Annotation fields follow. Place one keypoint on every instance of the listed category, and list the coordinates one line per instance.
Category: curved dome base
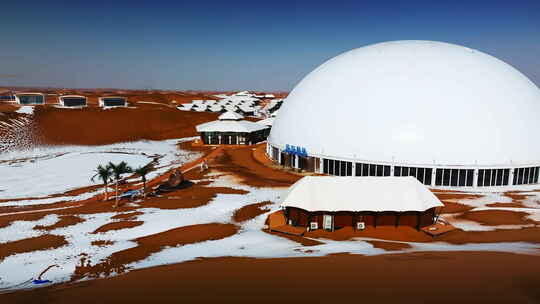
(449, 177)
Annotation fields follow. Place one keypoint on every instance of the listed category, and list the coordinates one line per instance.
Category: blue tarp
(130, 193)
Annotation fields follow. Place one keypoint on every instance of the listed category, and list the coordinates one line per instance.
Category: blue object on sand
(41, 281)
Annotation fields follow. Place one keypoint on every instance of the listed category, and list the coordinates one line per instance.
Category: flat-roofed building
(30, 98)
(112, 101)
(331, 202)
(72, 101)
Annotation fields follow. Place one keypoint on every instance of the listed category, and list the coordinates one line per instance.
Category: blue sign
(295, 150)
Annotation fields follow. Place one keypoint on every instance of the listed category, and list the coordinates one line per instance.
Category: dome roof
(414, 102)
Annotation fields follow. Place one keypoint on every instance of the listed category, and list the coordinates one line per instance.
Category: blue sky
(228, 45)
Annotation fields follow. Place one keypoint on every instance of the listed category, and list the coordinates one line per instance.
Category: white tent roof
(216, 108)
(200, 108)
(241, 126)
(229, 115)
(334, 193)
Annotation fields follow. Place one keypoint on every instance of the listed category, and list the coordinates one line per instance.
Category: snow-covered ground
(41, 172)
(250, 241)
(26, 110)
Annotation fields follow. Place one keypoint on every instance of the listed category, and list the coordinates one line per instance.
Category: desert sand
(399, 271)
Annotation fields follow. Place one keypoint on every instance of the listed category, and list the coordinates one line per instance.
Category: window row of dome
(431, 176)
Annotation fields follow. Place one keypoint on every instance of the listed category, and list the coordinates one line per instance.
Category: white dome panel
(414, 102)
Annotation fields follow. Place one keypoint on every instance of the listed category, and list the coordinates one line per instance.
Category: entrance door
(327, 222)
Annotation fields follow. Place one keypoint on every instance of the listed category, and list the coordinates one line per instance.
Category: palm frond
(103, 173)
(119, 169)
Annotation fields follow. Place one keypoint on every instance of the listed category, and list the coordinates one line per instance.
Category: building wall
(233, 138)
(300, 217)
(434, 176)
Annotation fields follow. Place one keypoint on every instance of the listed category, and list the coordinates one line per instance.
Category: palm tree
(118, 170)
(104, 174)
(142, 172)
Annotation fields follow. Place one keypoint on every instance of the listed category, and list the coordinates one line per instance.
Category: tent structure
(112, 101)
(230, 129)
(333, 202)
(30, 98)
(72, 101)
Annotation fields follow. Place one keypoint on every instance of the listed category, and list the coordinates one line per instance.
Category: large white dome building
(449, 115)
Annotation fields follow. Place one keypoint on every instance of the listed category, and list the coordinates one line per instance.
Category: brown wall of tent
(417, 220)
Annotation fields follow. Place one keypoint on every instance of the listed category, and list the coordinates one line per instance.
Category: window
(386, 170)
(493, 177)
(325, 165)
(275, 153)
(397, 171)
(462, 178)
(337, 167)
(379, 170)
(358, 170)
(31, 99)
(74, 101)
(454, 174)
(438, 177)
(527, 175)
(422, 174)
(111, 102)
(372, 170)
(446, 177)
(454, 177)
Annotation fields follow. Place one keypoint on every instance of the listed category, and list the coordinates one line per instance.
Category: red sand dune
(118, 226)
(65, 221)
(438, 277)
(410, 276)
(452, 207)
(43, 242)
(506, 205)
(498, 217)
(127, 216)
(152, 244)
(94, 126)
(391, 246)
(250, 211)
